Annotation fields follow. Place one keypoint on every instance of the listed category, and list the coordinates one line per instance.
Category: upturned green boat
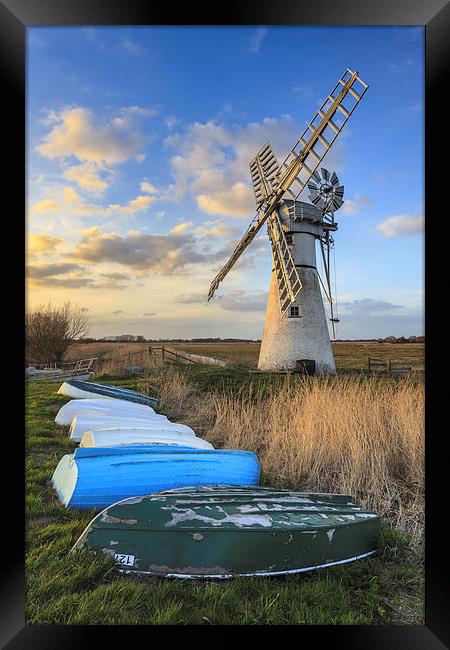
(223, 532)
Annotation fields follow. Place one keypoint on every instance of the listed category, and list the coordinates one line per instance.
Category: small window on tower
(289, 240)
(294, 311)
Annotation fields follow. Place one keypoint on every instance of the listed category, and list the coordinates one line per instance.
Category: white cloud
(87, 177)
(367, 306)
(148, 188)
(70, 203)
(236, 202)
(233, 300)
(372, 318)
(45, 206)
(211, 230)
(171, 121)
(401, 224)
(164, 254)
(355, 205)
(400, 67)
(61, 274)
(139, 204)
(42, 244)
(257, 39)
(304, 90)
(180, 228)
(91, 35)
(211, 162)
(70, 196)
(78, 133)
(132, 48)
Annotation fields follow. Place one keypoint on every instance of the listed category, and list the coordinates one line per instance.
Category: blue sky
(139, 140)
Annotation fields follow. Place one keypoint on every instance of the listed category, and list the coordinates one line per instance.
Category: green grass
(87, 590)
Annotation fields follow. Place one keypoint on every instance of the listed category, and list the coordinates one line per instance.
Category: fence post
(389, 366)
(149, 351)
(369, 363)
(163, 354)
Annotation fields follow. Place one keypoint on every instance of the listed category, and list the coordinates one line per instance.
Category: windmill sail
(288, 280)
(315, 141)
(299, 165)
(264, 171)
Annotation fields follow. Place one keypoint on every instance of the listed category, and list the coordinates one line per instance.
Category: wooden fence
(168, 355)
(395, 367)
(162, 353)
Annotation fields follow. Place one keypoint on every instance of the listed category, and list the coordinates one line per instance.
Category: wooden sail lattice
(288, 279)
(319, 135)
(264, 170)
(298, 167)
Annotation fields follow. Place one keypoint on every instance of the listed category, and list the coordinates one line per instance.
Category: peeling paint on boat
(134, 499)
(221, 532)
(115, 520)
(238, 520)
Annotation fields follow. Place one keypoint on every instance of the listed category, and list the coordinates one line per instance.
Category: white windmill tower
(295, 328)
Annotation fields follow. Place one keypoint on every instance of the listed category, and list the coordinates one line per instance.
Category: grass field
(349, 355)
(387, 588)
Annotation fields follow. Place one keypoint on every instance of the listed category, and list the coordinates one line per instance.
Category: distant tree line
(141, 339)
(402, 339)
(386, 339)
(131, 338)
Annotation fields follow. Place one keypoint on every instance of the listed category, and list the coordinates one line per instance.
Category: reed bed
(116, 364)
(356, 435)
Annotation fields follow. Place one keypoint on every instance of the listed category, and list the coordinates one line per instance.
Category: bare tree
(50, 330)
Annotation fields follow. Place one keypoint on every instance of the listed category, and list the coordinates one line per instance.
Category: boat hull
(228, 532)
(99, 477)
(100, 406)
(79, 389)
(131, 436)
(82, 423)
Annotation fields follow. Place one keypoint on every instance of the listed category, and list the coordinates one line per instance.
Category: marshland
(353, 433)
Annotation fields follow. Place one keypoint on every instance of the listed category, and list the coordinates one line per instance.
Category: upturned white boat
(92, 390)
(100, 406)
(132, 436)
(82, 423)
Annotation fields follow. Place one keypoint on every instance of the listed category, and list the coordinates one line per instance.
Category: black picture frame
(15, 17)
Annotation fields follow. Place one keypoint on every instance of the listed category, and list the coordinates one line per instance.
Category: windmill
(295, 328)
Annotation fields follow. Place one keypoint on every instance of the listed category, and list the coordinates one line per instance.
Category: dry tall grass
(116, 364)
(357, 435)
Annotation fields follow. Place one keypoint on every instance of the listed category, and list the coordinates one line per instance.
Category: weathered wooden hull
(119, 407)
(223, 532)
(141, 436)
(82, 423)
(96, 478)
(79, 389)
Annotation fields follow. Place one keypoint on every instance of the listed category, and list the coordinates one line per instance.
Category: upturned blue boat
(99, 477)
